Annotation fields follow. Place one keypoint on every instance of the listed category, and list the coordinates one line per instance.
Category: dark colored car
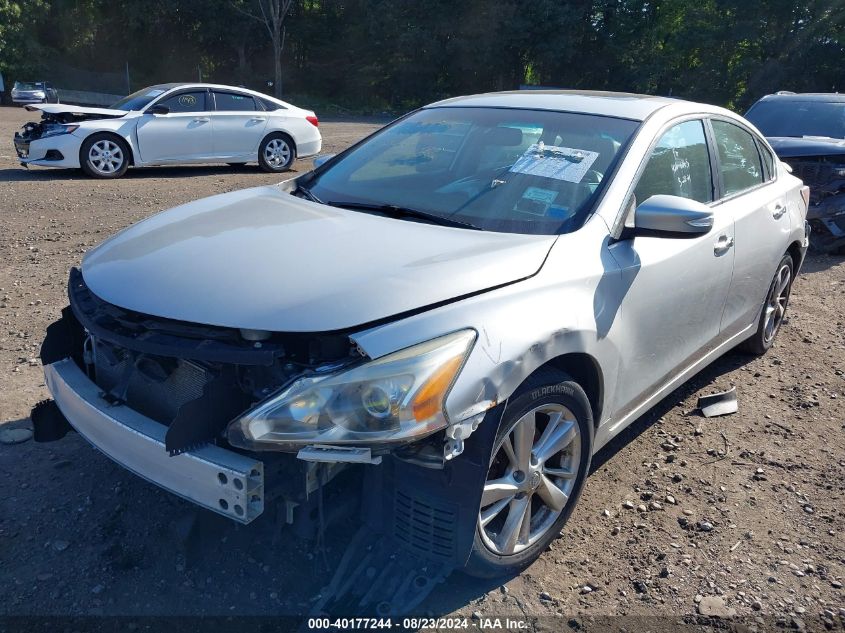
(808, 133)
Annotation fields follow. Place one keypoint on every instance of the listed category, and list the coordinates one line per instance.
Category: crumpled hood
(262, 259)
(793, 147)
(75, 111)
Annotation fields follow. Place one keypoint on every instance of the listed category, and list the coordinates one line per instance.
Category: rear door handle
(202, 119)
(258, 119)
(723, 244)
(780, 209)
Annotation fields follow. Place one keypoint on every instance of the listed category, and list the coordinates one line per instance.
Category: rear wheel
(276, 153)
(774, 309)
(537, 469)
(104, 156)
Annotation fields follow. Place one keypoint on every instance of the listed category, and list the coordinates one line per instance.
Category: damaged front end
(192, 378)
(825, 175)
(36, 131)
(156, 395)
(219, 416)
(55, 121)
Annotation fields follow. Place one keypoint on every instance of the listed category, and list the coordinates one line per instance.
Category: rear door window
(232, 102)
(739, 159)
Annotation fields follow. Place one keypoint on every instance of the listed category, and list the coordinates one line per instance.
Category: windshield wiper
(395, 211)
(309, 195)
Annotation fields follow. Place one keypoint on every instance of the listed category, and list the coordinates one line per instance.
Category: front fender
(124, 128)
(567, 307)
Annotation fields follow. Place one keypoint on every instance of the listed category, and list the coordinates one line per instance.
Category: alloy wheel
(776, 303)
(105, 156)
(531, 477)
(277, 153)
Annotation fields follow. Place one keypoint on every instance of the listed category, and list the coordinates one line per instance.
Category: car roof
(193, 84)
(189, 84)
(828, 97)
(616, 104)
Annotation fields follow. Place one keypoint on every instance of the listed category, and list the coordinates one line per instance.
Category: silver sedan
(471, 303)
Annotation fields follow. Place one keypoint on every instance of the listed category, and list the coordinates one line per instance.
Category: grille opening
(156, 387)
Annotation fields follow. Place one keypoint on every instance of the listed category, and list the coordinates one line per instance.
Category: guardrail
(82, 97)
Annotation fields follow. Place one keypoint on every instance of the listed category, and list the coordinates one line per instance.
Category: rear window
(788, 117)
(270, 106)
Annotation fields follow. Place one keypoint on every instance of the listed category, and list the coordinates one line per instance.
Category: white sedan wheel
(106, 157)
(277, 153)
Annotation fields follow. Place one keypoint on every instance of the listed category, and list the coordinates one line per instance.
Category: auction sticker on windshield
(553, 161)
(535, 201)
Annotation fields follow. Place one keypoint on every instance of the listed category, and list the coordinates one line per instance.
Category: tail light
(312, 119)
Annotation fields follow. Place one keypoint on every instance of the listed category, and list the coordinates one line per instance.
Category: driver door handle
(780, 209)
(723, 244)
(201, 119)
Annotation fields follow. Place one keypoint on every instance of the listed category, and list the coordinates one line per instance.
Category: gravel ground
(683, 516)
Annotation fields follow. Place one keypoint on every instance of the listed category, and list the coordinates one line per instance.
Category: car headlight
(393, 399)
(55, 129)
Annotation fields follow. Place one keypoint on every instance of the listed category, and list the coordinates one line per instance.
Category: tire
(276, 152)
(551, 393)
(774, 309)
(114, 152)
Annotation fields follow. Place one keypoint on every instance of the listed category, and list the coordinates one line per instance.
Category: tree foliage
(395, 54)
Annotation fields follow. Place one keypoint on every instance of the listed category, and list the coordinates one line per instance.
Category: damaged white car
(439, 326)
(171, 124)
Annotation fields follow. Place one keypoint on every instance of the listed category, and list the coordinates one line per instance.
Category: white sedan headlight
(56, 129)
(393, 399)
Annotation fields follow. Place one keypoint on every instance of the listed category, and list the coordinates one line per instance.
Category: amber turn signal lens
(429, 400)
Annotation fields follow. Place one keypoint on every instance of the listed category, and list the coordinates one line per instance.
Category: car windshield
(29, 85)
(799, 118)
(497, 169)
(138, 100)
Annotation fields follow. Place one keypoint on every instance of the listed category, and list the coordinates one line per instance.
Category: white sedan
(171, 124)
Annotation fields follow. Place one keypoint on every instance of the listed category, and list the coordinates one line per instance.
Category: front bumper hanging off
(221, 480)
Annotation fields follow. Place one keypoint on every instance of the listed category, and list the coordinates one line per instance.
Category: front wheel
(774, 309)
(276, 153)
(538, 467)
(104, 156)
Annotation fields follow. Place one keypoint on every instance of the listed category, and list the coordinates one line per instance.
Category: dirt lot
(743, 513)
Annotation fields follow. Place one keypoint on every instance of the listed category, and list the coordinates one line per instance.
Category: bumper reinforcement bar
(218, 479)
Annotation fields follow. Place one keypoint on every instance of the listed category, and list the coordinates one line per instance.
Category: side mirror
(672, 216)
(320, 160)
(159, 109)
